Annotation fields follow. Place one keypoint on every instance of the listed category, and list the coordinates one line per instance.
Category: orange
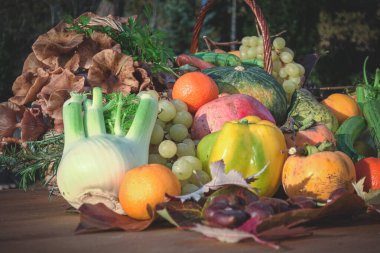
(195, 89)
(342, 106)
(369, 168)
(146, 185)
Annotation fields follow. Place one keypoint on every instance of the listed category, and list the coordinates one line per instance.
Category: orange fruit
(369, 168)
(236, 52)
(342, 106)
(146, 185)
(195, 89)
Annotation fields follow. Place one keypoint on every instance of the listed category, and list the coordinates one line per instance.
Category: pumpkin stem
(321, 147)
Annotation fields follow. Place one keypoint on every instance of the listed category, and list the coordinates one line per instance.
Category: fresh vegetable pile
(209, 142)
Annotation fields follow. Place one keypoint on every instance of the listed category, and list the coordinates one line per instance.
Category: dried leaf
(371, 198)
(98, 217)
(31, 64)
(180, 214)
(230, 235)
(286, 231)
(49, 48)
(219, 180)
(347, 205)
(113, 71)
(32, 125)
(10, 116)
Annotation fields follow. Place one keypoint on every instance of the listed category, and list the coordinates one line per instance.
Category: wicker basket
(262, 25)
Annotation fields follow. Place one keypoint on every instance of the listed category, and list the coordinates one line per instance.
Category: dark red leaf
(180, 214)
(98, 217)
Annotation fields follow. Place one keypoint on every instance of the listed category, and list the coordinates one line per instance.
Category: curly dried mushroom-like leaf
(32, 125)
(115, 72)
(57, 42)
(10, 117)
(31, 64)
(26, 87)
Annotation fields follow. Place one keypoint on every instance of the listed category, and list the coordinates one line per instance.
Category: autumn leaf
(98, 217)
(220, 179)
(371, 198)
(230, 235)
(180, 214)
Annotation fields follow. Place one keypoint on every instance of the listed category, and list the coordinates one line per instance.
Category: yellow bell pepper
(247, 146)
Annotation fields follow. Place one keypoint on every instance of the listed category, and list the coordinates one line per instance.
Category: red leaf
(98, 217)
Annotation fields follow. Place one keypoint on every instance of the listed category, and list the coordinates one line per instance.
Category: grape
(245, 40)
(260, 56)
(153, 149)
(178, 132)
(286, 49)
(296, 80)
(274, 56)
(283, 73)
(184, 149)
(157, 134)
(260, 49)
(301, 69)
(161, 123)
(289, 86)
(286, 57)
(166, 110)
(184, 118)
(243, 48)
(253, 40)
(243, 55)
(189, 142)
(292, 70)
(182, 169)
(200, 177)
(179, 105)
(251, 53)
(274, 74)
(156, 158)
(279, 43)
(258, 209)
(302, 202)
(188, 188)
(195, 162)
(277, 65)
(260, 40)
(153, 93)
(167, 149)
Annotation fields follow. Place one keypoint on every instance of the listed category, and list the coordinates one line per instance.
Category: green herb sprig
(136, 38)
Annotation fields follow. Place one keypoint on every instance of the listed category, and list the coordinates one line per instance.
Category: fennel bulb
(94, 162)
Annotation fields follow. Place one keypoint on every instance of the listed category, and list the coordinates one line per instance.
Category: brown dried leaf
(49, 47)
(31, 64)
(113, 71)
(180, 214)
(10, 116)
(98, 217)
(26, 86)
(347, 205)
(230, 235)
(32, 125)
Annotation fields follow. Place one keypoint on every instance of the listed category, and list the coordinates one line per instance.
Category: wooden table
(31, 222)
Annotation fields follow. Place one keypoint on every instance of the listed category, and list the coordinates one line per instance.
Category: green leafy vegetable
(135, 37)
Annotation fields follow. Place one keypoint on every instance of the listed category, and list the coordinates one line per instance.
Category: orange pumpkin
(312, 136)
(343, 106)
(318, 175)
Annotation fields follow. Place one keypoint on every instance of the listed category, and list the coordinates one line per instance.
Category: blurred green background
(344, 32)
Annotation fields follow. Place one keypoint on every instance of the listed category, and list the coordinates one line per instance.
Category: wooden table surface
(31, 222)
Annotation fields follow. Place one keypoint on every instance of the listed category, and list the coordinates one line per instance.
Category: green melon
(253, 81)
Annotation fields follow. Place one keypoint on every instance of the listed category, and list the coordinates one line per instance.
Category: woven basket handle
(260, 21)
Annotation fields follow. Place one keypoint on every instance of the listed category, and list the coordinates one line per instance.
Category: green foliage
(137, 39)
(129, 104)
